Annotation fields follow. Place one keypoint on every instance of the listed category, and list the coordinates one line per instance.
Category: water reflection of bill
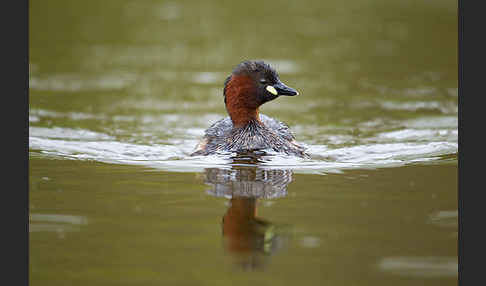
(247, 238)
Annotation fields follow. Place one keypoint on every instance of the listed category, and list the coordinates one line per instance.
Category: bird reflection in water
(247, 238)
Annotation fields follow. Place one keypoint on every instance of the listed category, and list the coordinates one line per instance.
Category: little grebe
(251, 84)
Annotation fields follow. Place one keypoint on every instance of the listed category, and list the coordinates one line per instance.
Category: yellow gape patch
(271, 89)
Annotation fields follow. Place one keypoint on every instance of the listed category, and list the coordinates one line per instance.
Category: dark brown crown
(253, 69)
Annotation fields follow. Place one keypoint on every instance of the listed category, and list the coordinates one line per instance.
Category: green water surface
(138, 75)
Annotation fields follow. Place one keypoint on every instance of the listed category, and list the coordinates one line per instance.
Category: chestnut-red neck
(241, 100)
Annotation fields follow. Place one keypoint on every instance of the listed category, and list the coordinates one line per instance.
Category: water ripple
(165, 141)
(176, 157)
(420, 266)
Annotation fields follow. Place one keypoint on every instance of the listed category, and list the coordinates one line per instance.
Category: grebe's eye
(263, 81)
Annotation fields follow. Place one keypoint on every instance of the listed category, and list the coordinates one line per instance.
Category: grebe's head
(251, 84)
